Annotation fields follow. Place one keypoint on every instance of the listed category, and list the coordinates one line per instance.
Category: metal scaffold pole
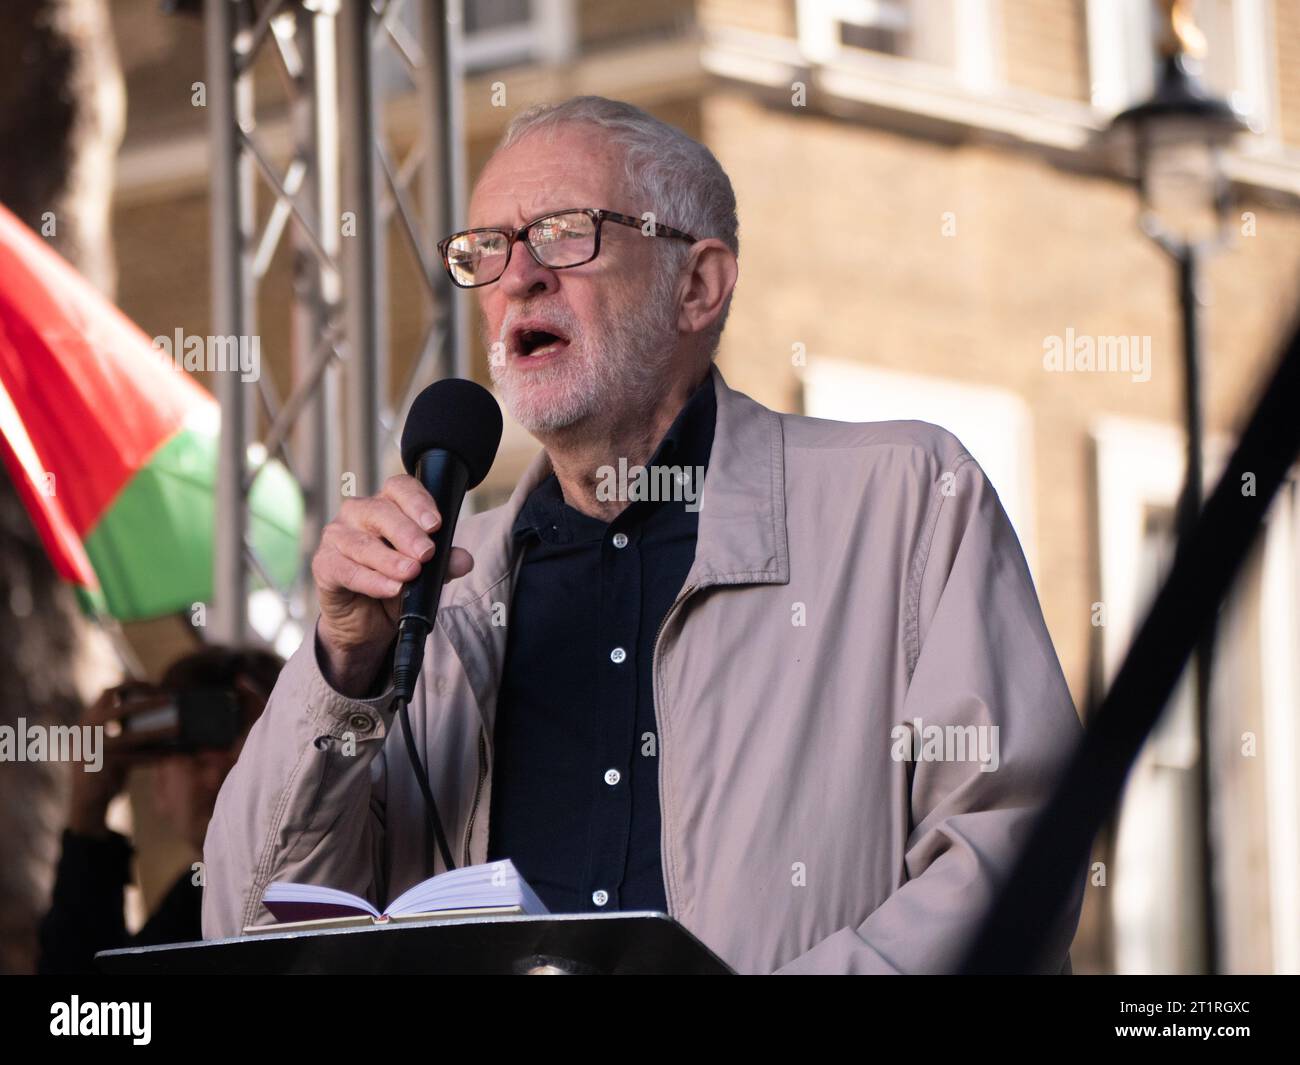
(335, 185)
(317, 295)
(364, 248)
(233, 310)
(443, 173)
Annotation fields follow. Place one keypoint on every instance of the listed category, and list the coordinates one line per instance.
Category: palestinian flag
(113, 449)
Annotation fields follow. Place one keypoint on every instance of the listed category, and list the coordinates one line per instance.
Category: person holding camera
(188, 730)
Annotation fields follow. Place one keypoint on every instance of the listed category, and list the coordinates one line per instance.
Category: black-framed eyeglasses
(557, 240)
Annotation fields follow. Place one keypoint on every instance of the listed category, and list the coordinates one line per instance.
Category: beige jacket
(849, 579)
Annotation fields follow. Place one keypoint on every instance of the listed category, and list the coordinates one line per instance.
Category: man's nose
(525, 277)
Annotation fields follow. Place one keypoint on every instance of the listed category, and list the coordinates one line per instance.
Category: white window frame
(1280, 606)
(1121, 52)
(965, 30)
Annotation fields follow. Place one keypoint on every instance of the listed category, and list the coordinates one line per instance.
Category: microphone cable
(422, 777)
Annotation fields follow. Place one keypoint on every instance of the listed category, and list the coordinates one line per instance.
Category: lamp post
(1177, 138)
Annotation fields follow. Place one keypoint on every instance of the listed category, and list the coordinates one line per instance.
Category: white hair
(669, 173)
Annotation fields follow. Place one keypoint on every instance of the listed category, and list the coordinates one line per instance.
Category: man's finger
(373, 553)
(334, 571)
(383, 517)
(414, 500)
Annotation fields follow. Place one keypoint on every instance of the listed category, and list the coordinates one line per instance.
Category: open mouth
(532, 343)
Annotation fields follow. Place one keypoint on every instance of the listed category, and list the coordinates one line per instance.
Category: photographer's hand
(93, 791)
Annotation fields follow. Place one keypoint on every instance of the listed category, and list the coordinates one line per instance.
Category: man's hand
(374, 546)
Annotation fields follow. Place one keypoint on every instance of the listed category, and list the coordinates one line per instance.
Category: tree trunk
(61, 116)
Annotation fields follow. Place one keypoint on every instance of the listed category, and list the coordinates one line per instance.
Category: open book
(477, 890)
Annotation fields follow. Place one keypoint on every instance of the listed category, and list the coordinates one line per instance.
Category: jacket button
(600, 897)
(361, 722)
(617, 655)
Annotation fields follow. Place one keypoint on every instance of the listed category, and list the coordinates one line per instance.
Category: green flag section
(153, 548)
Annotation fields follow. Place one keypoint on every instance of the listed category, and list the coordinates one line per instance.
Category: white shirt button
(617, 655)
(612, 777)
(620, 540)
(600, 897)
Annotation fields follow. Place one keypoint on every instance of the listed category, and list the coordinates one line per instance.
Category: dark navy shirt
(575, 794)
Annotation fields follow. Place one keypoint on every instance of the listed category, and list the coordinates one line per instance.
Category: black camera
(193, 719)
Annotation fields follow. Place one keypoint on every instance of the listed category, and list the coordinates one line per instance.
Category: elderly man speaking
(806, 704)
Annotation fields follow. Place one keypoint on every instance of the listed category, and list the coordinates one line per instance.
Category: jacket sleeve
(982, 657)
(305, 801)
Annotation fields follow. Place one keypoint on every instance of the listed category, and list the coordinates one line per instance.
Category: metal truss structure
(343, 192)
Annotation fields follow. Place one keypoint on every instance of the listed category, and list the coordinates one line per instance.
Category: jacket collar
(742, 531)
(742, 534)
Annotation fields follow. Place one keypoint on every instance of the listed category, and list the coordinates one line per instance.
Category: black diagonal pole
(1205, 566)
(1187, 258)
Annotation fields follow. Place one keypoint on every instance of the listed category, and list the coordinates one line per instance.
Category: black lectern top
(597, 943)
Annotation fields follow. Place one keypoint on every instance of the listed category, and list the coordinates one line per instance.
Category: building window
(955, 37)
(493, 34)
(496, 14)
(885, 26)
(1255, 738)
(500, 33)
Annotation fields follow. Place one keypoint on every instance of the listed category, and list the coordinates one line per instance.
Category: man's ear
(708, 279)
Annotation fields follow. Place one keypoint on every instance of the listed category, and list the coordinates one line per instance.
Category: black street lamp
(1177, 138)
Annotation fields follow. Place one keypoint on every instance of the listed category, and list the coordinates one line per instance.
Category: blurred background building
(927, 206)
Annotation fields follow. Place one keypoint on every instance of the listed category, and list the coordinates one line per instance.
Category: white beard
(607, 373)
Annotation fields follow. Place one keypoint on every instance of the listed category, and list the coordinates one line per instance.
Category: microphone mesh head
(458, 416)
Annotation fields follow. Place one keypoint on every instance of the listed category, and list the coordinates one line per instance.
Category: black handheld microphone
(448, 444)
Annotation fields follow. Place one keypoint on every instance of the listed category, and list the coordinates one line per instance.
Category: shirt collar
(687, 444)
(689, 439)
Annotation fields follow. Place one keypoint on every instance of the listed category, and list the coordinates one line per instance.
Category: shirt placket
(619, 622)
